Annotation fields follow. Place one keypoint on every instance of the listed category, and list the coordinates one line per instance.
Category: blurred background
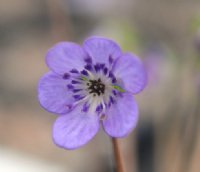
(165, 34)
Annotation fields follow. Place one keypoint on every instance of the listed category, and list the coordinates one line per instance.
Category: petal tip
(72, 131)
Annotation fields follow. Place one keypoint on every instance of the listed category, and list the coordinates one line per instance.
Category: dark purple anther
(111, 100)
(110, 59)
(74, 71)
(76, 90)
(75, 82)
(88, 60)
(114, 92)
(66, 76)
(88, 67)
(99, 108)
(70, 86)
(105, 71)
(85, 107)
(102, 66)
(97, 67)
(111, 75)
(77, 97)
(84, 72)
(114, 80)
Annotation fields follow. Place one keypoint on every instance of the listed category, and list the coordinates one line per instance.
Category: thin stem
(117, 155)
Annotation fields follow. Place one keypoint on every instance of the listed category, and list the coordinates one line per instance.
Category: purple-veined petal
(129, 69)
(75, 129)
(53, 93)
(121, 117)
(65, 56)
(102, 50)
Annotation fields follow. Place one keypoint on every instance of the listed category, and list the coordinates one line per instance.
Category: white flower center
(98, 89)
(94, 89)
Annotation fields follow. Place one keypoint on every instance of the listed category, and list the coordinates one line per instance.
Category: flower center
(96, 87)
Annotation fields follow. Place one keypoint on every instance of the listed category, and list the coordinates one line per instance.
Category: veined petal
(75, 129)
(102, 50)
(65, 56)
(53, 93)
(129, 69)
(121, 117)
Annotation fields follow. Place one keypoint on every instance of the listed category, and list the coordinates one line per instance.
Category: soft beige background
(170, 103)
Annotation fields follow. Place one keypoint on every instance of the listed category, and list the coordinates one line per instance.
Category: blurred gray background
(164, 33)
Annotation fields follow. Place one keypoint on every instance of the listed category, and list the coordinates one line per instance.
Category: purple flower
(88, 85)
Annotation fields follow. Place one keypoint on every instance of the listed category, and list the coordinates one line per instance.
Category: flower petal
(65, 56)
(102, 50)
(121, 117)
(129, 69)
(53, 93)
(75, 129)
